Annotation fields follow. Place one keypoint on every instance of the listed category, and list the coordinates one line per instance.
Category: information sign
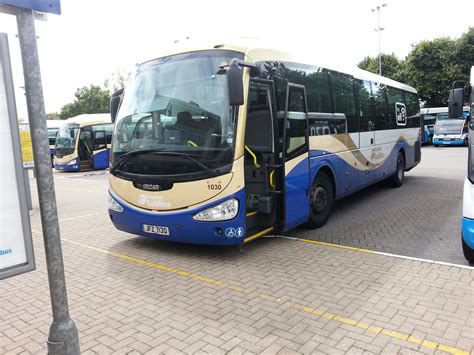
(16, 250)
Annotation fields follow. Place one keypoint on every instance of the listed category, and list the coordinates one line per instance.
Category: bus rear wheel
(468, 252)
(322, 201)
(397, 179)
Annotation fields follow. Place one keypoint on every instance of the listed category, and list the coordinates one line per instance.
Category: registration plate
(148, 228)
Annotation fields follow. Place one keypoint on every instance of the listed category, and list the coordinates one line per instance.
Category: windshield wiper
(187, 156)
(158, 151)
(126, 156)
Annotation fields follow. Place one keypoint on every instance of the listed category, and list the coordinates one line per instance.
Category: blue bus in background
(428, 119)
(451, 131)
(53, 128)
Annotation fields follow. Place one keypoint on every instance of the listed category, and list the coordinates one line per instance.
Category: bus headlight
(114, 205)
(221, 212)
(72, 162)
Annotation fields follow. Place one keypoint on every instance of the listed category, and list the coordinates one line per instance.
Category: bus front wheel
(397, 179)
(468, 252)
(322, 201)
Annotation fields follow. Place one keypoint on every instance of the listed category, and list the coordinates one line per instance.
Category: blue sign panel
(48, 6)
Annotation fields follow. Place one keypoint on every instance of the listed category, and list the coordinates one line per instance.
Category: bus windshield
(66, 138)
(449, 125)
(177, 104)
(52, 133)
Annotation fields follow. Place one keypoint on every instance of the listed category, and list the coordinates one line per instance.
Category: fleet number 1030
(214, 187)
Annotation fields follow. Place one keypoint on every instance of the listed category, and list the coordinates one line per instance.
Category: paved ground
(133, 295)
(420, 219)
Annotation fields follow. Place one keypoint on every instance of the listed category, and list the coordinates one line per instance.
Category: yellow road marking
(307, 309)
(334, 245)
(257, 235)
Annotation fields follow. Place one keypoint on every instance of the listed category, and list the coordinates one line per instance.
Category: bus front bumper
(181, 226)
(72, 165)
(449, 141)
(468, 231)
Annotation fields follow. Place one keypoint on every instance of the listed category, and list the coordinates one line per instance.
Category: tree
(391, 65)
(92, 99)
(433, 66)
(53, 116)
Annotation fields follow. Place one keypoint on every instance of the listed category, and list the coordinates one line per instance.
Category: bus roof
(54, 123)
(256, 51)
(89, 119)
(429, 110)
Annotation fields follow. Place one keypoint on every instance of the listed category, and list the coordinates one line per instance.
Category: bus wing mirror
(455, 104)
(235, 84)
(115, 100)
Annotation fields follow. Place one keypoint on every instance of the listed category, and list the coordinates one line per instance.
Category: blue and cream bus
(225, 143)
(83, 143)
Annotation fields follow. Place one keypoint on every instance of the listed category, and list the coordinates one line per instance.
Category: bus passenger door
(100, 158)
(85, 148)
(295, 157)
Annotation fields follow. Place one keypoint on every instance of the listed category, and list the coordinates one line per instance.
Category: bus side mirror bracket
(234, 80)
(115, 100)
(235, 84)
(455, 103)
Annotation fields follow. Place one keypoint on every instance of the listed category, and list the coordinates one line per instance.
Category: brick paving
(421, 219)
(133, 295)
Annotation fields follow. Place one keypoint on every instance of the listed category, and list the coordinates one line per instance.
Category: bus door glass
(295, 155)
(366, 116)
(99, 147)
(85, 147)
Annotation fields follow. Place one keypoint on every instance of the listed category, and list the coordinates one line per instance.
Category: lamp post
(379, 29)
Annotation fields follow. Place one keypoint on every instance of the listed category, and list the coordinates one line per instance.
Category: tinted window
(379, 93)
(296, 122)
(344, 100)
(364, 92)
(394, 96)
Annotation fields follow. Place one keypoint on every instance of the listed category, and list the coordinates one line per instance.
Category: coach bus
(83, 143)
(223, 144)
(456, 99)
(53, 128)
(451, 131)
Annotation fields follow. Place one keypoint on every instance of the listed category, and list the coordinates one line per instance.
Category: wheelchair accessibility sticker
(234, 232)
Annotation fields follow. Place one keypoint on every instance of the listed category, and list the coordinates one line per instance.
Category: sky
(92, 39)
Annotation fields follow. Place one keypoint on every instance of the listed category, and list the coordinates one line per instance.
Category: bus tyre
(397, 179)
(322, 201)
(436, 145)
(468, 252)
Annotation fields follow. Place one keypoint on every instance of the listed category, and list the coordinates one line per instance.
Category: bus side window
(344, 103)
(296, 122)
(364, 91)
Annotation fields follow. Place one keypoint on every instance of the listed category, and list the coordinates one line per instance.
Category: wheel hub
(319, 200)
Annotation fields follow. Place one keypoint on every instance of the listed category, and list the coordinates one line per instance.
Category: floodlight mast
(379, 29)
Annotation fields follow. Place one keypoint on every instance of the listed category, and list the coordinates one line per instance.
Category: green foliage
(53, 116)
(92, 99)
(431, 67)
(391, 65)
